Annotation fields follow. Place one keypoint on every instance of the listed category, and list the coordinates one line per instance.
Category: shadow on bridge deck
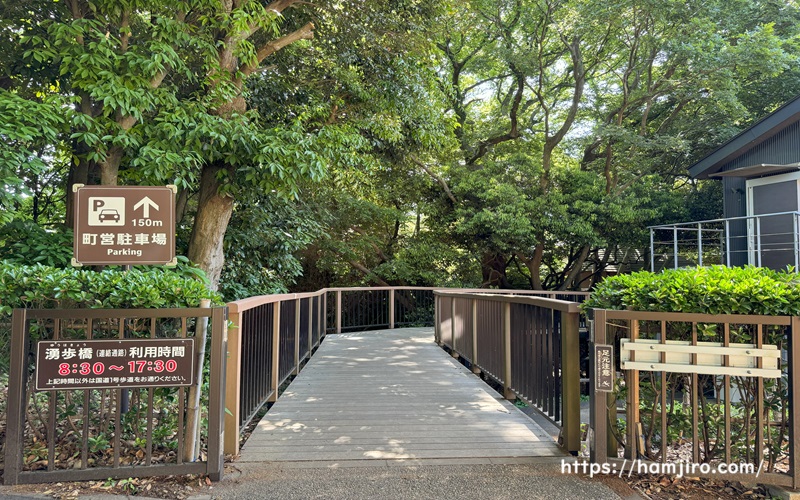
(393, 395)
(390, 415)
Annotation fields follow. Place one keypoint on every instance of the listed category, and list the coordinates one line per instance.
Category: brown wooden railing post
(437, 333)
(603, 409)
(216, 403)
(323, 315)
(338, 311)
(453, 326)
(570, 382)
(276, 350)
(233, 382)
(507, 392)
(391, 308)
(311, 313)
(474, 333)
(297, 336)
(794, 401)
(632, 402)
(16, 397)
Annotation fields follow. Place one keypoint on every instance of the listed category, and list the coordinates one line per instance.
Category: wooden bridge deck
(392, 395)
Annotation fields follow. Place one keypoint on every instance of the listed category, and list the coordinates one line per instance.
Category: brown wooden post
(453, 326)
(216, 399)
(437, 331)
(474, 333)
(297, 336)
(324, 316)
(338, 311)
(391, 309)
(507, 392)
(311, 323)
(794, 401)
(598, 452)
(276, 350)
(16, 397)
(570, 382)
(233, 381)
(632, 402)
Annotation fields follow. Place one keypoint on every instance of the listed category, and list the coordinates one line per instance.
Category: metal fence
(105, 432)
(527, 344)
(707, 389)
(371, 308)
(768, 240)
(269, 338)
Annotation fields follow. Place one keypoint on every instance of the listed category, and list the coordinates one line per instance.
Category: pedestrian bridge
(363, 376)
(393, 395)
(376, 376)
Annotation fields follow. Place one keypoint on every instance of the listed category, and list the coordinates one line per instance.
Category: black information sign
(114, 364)
(603, 368)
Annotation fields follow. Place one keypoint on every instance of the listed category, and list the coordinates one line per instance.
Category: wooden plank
(388, 455)
(392, 395)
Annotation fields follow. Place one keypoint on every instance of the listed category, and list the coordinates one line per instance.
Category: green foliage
(43, 287)
(710, 290)
(26, 243)
(261, 246)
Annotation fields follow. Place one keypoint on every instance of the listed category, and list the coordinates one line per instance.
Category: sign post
(124, 225)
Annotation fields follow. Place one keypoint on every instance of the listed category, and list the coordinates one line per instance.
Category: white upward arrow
(146, 203)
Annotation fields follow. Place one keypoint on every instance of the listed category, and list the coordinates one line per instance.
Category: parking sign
(124, 225)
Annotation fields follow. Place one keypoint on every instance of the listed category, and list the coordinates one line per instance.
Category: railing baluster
(728, 243)
(700, 244)
(338, 311)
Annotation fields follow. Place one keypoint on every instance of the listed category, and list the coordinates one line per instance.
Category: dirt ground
(182, 487)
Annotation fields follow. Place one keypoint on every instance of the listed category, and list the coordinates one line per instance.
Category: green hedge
(710, 290)
(43, 287)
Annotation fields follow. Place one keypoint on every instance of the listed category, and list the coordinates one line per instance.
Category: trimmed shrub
(709, 290)
(43, 287)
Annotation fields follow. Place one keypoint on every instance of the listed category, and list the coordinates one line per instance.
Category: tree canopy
(510, 143)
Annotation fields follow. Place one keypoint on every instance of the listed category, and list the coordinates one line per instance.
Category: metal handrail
(722, 238)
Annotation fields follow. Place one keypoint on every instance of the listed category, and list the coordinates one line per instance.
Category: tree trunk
(181, 203)
(577, 267)
(109, 169)
(493, 269)
(78, 174)
(213, 214)
(534, 266)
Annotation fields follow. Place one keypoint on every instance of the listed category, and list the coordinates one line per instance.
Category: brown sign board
(603, 368)
(114, 364)
(124, 225)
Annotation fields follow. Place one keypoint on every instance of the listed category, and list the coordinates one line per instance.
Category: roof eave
(764, 129)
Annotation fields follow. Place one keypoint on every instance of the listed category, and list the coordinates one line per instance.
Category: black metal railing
(522, 342)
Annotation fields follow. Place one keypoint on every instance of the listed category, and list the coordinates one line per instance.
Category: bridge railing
(268, 339)
(272, 335)
(374, 308)
(528, 344)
